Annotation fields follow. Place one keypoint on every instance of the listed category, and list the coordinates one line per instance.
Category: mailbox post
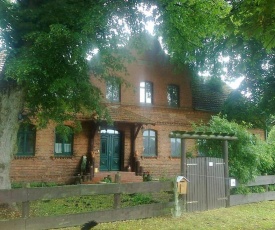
(180, 188)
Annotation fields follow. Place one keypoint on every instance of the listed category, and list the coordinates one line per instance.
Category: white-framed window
(146, 92)
(175, 147)
(149, 143)
(64, 143)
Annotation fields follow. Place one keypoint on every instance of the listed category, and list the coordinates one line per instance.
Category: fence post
(26, 204)
(226, 172)
(266, 186)
(117, 197)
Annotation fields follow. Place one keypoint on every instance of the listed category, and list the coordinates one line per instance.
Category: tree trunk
(11, 101)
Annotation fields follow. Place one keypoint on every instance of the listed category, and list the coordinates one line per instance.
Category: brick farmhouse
(159, 100)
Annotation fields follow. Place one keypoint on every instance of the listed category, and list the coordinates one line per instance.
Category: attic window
(113, 91)
(173, 95)
(146, 92)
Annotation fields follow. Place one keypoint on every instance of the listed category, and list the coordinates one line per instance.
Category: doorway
(110, 150)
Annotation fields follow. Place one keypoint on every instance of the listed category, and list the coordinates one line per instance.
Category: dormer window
(146, 92)
(173, 95)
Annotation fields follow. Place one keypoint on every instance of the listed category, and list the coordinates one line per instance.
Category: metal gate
(206, 189)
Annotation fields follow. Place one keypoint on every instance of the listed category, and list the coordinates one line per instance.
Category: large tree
(47, 44)
(246, 50)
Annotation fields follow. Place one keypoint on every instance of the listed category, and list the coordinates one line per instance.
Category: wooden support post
(183, 168)
(183, 171)
(117, 196)
(138, 168)
(226, 172)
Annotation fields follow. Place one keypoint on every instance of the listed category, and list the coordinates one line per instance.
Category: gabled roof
(119, 114)
(206, 98)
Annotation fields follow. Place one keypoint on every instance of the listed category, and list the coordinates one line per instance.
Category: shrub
(248, 156)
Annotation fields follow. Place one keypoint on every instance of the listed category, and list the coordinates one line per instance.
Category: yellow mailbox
(182, 184)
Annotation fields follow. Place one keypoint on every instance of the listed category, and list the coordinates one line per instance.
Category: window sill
(23, 157)
(61, 157)
(146, 104)
(174, 157)
(149, 157)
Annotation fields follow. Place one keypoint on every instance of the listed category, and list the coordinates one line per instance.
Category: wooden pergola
(224, 137)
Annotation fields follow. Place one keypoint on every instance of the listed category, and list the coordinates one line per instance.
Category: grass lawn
(251, 216)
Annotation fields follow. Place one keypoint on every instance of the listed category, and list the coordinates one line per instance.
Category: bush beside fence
(265, 181)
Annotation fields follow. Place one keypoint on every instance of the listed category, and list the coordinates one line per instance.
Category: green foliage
(33, 184)
(107, 179)
(71, 205)
(181, 20)
(47, 51)
(255, 19)
(271, 149)
(244, 190)
(239, 108)
(138, 199)
(271, 187)
(48, 44)
(147, 176)
(247, 155)
(249, 45)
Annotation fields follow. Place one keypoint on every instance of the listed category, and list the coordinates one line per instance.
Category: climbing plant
(248, 156)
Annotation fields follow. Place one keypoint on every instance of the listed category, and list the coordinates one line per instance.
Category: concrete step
(126, 177)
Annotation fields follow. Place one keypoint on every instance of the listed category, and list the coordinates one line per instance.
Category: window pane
(142, 94)
(146, 146)
(146, 92)
(148, 89)
(20, 143)
(152, 133)
(108, 91)
(67, 148)
(152, 146)
(30, 143)
(146, 133)
(58, 147)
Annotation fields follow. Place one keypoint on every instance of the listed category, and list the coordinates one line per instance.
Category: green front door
(110, 151)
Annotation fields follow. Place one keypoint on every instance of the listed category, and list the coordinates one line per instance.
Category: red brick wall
(44, 167)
